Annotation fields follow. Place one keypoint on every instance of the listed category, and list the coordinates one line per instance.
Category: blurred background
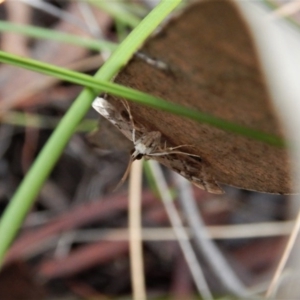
(74, 242)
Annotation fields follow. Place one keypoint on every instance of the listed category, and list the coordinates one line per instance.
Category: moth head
(136, 156)
(139, 156)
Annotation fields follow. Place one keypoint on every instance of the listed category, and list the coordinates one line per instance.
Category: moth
(149, 145)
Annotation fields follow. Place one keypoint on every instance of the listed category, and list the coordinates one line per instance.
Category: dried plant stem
(28, 190)
(274, 282)
(203, 241)
(180, 232)
(285, 10)
(135, 232)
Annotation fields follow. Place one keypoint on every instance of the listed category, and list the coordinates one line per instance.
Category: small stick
(135, 233)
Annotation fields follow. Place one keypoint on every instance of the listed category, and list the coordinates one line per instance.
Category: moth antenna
(124, 177)
(127, 107)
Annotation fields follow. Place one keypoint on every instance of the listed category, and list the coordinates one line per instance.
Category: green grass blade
(42, 33)
(23, 199)
(139, 97)
(117, 11)
(16, 118)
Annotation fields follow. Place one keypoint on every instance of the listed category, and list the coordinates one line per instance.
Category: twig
(59, 13)
(167, 233)
(135, 240)
(204, 243)
(180, 232)
(285, 10)
(284, 258)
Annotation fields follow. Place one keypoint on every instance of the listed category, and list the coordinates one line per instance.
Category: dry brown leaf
(214, 69)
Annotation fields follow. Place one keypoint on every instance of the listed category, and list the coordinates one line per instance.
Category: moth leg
(166, 149)
(133, 135)
(177, 147)
(170, 150)
(125, 175)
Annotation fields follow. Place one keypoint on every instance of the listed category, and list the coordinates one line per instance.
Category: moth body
(148, 144)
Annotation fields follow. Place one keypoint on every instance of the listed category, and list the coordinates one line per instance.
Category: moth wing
(105, 109)
(191, 169)
(109, 112)
(188, 167)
